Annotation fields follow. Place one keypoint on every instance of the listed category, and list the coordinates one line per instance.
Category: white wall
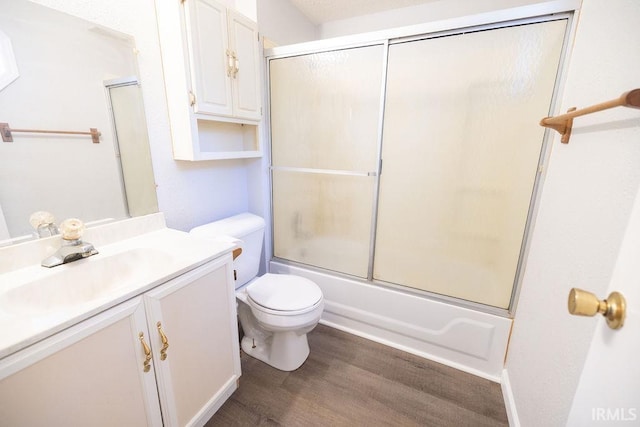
(412, 15)
(189, 194)
(585, 207)
(610, 382)
(248, 8)
(282, 23)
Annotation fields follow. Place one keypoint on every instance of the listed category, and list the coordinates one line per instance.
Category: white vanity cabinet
(90, 375)
(196, 314)
(110, 370)
(212, 71)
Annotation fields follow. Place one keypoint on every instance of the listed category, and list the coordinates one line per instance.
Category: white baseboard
(509, 401)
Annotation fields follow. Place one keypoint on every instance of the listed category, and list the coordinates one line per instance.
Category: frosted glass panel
(325, 109)
(461, 146)
(323, 220)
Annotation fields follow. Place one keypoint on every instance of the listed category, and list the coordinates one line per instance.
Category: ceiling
(321, 11)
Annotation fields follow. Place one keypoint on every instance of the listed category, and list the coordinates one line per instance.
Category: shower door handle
(323, 171)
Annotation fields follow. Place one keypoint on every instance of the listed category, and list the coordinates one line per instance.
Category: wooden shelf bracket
(564, 122)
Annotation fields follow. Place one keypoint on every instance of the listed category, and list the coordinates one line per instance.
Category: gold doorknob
(583, 303)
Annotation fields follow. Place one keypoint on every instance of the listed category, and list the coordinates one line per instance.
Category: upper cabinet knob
(583, 303)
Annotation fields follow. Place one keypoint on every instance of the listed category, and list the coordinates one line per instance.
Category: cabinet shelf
(219, 140)
(229, 155)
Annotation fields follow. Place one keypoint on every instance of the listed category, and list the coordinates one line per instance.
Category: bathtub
(461, 337)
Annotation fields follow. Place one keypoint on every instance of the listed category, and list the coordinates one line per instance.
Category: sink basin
(85, 281)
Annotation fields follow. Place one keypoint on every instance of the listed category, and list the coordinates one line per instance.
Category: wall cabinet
(211, 60)
(171, 354)
(223, 57)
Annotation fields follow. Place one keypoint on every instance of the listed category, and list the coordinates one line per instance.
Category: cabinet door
(243, 39)
(88, 375)
(197, 314)
(209, 56)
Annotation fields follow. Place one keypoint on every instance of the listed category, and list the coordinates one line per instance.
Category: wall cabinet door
(209, 56)
(244, 42)
(223, 59)
(193, 318)
(89, 375)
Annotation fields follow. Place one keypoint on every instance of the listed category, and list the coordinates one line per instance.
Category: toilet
(276, 311)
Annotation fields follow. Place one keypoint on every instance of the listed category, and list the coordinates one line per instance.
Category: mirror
(73, 75)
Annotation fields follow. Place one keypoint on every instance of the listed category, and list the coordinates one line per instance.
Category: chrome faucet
(73, 248)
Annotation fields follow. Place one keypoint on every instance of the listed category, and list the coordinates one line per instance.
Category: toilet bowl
(276, 311)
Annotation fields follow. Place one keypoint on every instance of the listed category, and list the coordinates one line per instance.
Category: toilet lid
(284, 292)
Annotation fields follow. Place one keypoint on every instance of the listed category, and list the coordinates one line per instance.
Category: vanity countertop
(143, 260)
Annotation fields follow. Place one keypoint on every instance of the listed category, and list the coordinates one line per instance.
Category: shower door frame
(553, 11)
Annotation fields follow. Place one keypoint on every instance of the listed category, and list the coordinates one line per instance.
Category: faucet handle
(72, 229)
(40, 218)
(44, 224)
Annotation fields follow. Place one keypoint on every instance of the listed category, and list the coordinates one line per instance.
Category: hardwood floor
(351, 381)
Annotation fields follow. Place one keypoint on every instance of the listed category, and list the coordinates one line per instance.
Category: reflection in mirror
(74, 75)
(133, 147)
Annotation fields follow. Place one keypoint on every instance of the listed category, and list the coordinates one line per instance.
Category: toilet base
(285, 350)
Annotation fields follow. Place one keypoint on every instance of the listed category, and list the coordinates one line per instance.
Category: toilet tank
(249, 229)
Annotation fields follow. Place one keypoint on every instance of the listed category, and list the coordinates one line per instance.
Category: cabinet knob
(146, 365)
(236, 66)
(230, 63)
(583, 303)
(165, 342)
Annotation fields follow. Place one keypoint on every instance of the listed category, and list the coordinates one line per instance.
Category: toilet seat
(268, 310)
(284, 294)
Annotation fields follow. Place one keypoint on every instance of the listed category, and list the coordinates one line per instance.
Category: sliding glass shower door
(325, 113)
(460, 152)
(413, 163)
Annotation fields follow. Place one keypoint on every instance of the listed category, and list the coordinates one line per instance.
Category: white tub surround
(462, 338)
(171, 253)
